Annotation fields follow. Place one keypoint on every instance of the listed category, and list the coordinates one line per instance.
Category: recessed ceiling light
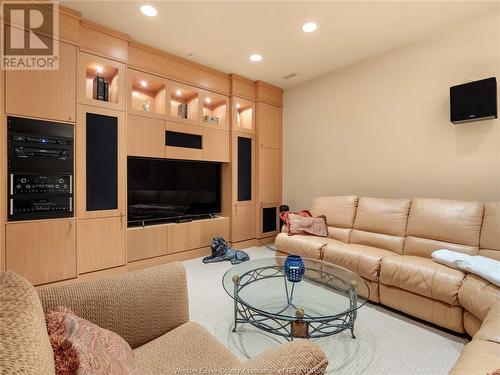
(309, 27)
(238, 105)
(207, 100)
(144, 83)
(255, 57)
(149, 10)
(99, 69)
(178, 92)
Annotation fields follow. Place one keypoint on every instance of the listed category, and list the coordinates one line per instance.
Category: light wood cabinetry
(82, 157)
(42, 251)
(243, 223)
(101, 243)
(103, 41)
(243, 115)
(185, 153)
(211, 228)
(147, 94)
(47, 94)
(269, 120)
(215, 145)
(145, 136)
(184, 236)
(269, 175)
(90, 67)
(146, 242)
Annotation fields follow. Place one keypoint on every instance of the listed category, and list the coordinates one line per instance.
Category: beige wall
(381, 127)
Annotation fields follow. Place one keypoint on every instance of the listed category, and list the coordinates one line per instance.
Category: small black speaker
(283, 208)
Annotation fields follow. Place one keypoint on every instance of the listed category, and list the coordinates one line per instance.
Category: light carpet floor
(387, 343)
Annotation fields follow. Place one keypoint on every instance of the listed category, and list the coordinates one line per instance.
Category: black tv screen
(163, 189)
(474, 101)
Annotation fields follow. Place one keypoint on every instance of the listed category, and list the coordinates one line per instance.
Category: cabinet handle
(70, 118)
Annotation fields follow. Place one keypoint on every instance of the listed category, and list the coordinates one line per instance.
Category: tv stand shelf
(163, 240)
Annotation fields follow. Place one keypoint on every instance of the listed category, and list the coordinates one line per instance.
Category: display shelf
(184, 103)
(215, 110)
(243, 115)
(102, 82)
(147, 94)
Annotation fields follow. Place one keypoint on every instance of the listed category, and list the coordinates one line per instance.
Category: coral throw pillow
(315, 226)
(285, 214)
(83, 348)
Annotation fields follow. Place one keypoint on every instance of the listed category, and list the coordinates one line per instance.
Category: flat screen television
(474, 101)
(167, 190)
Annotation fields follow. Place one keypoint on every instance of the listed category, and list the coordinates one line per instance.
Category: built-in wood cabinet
(46, 94)
(145, 136)
(215, 145)
(210, 228)
(243, 223)
(269, 175)
(42, 251)
(184, 236)
(101, 154)
(89, 68)
(146, 242)
(101, 243)
(269, 122)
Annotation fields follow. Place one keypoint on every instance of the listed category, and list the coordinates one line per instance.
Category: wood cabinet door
(269, 125)
(48, 94)
(243, 224)
(184, 236)
(42, 251)
(147, 242)
(101, 243)
(214, 228)
(97, 177)
(145, 136)
(269, 176)
(215, 145)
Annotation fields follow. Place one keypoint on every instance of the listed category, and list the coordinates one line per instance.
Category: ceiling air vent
(291, 75)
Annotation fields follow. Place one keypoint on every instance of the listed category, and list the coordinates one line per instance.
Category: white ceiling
(223, 34)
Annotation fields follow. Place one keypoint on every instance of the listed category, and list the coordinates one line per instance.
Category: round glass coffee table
(323, 303)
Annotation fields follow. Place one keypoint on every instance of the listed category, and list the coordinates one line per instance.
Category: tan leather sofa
(389, 243)
(149, 309)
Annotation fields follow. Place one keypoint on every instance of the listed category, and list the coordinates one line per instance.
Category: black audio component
(100, 89)
(40, 208)
(40, 169)
(28, 184)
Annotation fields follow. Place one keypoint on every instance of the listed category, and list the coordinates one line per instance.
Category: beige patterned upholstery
(148, 308)
(189, 346)
(113, 303)
(24, 342)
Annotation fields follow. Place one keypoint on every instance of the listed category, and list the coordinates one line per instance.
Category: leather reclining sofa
(389, 243)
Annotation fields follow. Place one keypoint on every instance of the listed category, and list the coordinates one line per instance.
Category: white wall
(381, 127)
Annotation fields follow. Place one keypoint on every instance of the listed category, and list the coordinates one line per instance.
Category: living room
(250, 187)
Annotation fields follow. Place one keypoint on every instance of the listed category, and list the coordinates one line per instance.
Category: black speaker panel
(102, 162)
(185, 140)
(244, 169)
(268, 219)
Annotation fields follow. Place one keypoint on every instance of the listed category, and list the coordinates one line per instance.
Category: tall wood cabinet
(47, 94)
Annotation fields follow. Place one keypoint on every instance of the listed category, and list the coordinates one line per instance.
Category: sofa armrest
(297, 357)
(490, 329)
(140, 306)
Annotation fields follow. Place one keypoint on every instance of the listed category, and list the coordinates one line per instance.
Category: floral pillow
(83, 348)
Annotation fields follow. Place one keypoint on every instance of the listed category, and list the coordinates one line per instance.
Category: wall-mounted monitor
(474, 101)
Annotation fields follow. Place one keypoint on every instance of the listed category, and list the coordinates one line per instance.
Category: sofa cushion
(189, 347)
(434, 223)
(24, 343)
(490, 329)
(489, 244)
(381, 223)
(360, 259)
(305, 246)
(422, 276)
(478, 295)
(339, 211)
(478, 358)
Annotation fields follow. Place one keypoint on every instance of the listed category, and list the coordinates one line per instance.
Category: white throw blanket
(487, 268)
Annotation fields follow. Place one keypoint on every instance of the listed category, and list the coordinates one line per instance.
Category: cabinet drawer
(42, 251)
(148, 242)
(185, 236)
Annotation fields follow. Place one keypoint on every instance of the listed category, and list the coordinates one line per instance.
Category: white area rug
(387, 343)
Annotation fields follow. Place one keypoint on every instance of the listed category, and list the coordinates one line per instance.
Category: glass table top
(325, 291)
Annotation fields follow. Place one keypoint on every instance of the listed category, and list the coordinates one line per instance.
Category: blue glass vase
(294, 268)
